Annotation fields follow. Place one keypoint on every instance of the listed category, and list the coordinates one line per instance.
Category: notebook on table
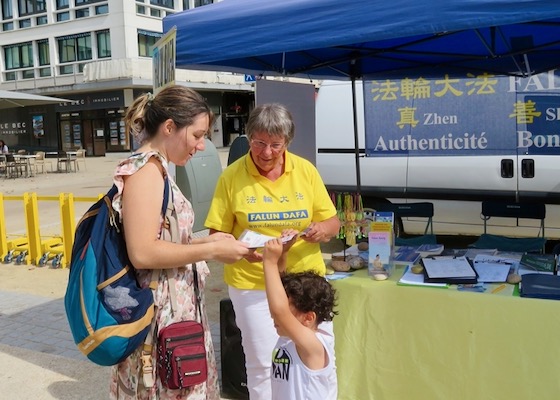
(540, 286)
(449, 269)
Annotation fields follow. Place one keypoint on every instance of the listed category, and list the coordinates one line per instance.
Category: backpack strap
(170, 229)
(197, 297)
(170, 232)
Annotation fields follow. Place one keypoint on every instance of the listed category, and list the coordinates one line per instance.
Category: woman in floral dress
(172, 127)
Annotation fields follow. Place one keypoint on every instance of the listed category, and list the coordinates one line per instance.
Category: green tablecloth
(400, 342)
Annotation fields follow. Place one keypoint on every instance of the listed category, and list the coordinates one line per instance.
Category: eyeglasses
(260, 145)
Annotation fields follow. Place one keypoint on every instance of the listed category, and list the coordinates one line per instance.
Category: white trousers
(258, 337)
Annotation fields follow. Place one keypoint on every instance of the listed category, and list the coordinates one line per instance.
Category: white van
(454, 142)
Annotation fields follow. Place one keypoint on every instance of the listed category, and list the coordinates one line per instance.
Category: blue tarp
(320, 38)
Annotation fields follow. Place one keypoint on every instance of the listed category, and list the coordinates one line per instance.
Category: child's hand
(289, 243)
(272, 251)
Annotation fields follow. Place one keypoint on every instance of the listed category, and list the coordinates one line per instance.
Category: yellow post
(3, 235)
(32, 224)
(68, 226)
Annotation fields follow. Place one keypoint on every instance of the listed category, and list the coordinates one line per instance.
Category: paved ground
(38, 356)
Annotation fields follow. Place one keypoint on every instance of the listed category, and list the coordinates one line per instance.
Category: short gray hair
(274, 119)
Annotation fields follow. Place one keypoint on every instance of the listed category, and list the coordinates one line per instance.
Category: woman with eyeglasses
(267, 191)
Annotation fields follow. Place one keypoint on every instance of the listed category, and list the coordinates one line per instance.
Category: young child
(303, 363)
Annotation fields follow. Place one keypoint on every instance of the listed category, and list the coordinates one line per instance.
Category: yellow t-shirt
(244, 199)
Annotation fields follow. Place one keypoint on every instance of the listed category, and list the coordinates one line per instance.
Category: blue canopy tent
(337, 39)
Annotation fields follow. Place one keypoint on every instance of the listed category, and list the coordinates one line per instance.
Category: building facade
(96, 54)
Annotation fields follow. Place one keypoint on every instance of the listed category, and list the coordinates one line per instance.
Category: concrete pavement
(38, 356)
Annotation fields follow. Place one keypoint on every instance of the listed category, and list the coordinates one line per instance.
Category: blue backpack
(108, 312)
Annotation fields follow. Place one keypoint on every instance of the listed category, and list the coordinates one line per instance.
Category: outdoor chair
(42, 162)
(517, 211)
(3, 167)
(81, 158)
(420, 210)
(15, 168)
(239, 147)
(65, 162)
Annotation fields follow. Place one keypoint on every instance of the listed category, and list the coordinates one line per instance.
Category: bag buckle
(147, 369)
(147, 365)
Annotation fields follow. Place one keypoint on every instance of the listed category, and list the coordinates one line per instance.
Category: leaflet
(493, 268)
(256, 240)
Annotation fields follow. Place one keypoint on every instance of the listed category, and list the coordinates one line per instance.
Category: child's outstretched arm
(277, 299)
(309, 347)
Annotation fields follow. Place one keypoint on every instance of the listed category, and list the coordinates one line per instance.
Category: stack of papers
(472, 252)
(411, 279)
(493, 268)
(442, 269)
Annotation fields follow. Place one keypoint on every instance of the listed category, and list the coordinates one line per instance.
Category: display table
(402, 342)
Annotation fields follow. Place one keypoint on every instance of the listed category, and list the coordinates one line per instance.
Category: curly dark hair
(308, 291)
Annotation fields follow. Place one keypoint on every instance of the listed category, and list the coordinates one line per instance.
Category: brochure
(406, 255)
(380, 241)
(538, 262)
(256, 240)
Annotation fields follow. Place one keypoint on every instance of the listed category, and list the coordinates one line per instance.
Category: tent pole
(356, 142)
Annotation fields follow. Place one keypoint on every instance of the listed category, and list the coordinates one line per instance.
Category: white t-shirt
(292, 380)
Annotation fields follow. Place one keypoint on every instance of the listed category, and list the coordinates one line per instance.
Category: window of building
(43, 52)
(10, 76)
(82, 13)
(163, 3)
(146, 40)
(63, 16)
(25, 23)
(43, 72)
(74, 48)
(62, 4)
(8, 26)
(18, 56)
(28, 7)
(154, 12)
(66, 69)
(199, 3)
(28, 74)
(7, 12)
(102, 9)
(42, 20)
(140, 9)
(103, 44)
(67, 50)
(84, 48)
(81, 2)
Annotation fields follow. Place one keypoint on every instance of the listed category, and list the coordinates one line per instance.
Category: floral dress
(126, 377)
